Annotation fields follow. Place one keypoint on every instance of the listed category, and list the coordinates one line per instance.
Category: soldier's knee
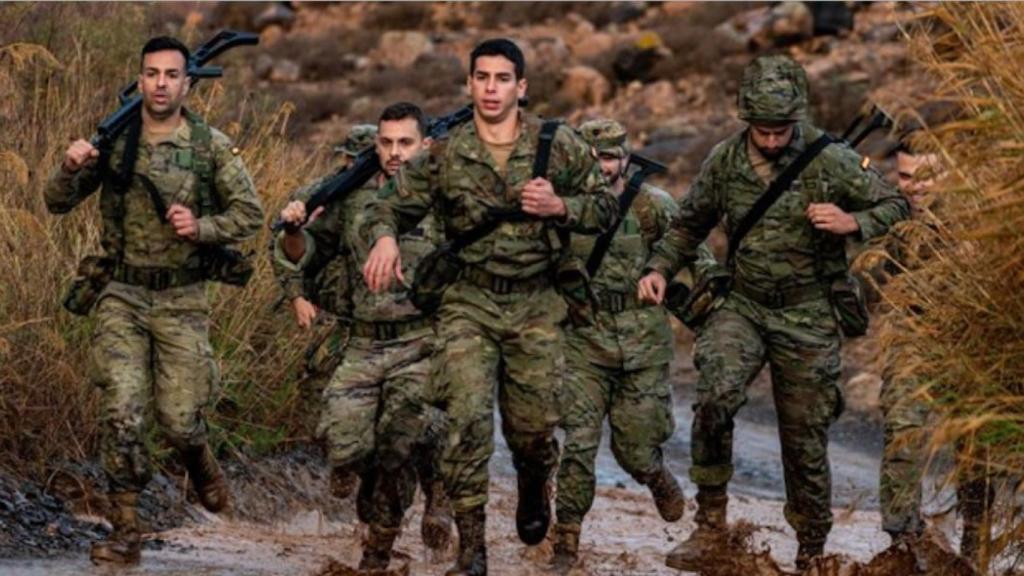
(582, 440)
(181, 429)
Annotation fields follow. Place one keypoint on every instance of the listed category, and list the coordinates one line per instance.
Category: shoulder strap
(202, 147)
(547, 136)
(122, 180)
(774, 191)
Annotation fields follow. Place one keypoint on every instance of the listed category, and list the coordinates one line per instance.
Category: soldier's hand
(79, 155)
(383, 265)
(184, 222)
(831, 218)
(539, 199)
(651, 288)
(294, 213)
(305, 312)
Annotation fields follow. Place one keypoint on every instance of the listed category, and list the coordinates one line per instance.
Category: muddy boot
(436, 526)
(207, 478)
(807, 552)
(909, 543)
(668, 496)
(343, 482)
(472, 560)
(691, 553)
(533, 511)
(377, 550)
(124, 543)
(566, 547)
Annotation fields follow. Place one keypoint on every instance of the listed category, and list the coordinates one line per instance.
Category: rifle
(131, 104)
(876, 117)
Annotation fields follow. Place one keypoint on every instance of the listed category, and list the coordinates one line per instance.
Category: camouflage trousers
(902, 470)
(375, 420)
(150, 348)
(509, 345)
(801, 345)
(638, 405)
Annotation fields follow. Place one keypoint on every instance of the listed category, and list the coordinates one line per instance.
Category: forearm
(64, 190)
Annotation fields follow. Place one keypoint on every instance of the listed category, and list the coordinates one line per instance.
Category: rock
(636, 61)
(889, 32)
(271, 35)
(263, 65)
(783, 24)
(659, 97)
(623, 12)
(584, 86)
(549, 52)
(399, 49)
(590, 44)
(276, 14)
(831, 18)
(285, 70)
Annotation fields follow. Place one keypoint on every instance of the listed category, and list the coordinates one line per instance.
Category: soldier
(151, 341)
(374, 420)
(785, 273)
(618, 367)
(498, 324)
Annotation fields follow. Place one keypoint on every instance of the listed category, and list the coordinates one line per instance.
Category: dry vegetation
(57, 88)
(958, 318)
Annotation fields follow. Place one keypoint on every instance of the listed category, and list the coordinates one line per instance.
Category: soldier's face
(916, 174)
(163, 83)
(771, 140)
(612, 167)
(495, 89)
(397, 142)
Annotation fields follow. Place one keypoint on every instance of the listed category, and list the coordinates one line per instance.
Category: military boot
(377, 550)
(668, 496)
(472, 560)
(124, 543)
(207, 478)
(533, 511)
(807, 552)
(690, 554)
(566, 547)
(436, 526)
(975, 500)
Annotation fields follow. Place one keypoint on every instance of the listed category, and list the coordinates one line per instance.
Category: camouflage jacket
(459, 178)
(783, 250)
(640, 336)
(333, 237)
(169, 164)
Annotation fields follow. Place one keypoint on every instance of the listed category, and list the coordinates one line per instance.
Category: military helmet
(606, 136)
(773, 91)
(360, 137)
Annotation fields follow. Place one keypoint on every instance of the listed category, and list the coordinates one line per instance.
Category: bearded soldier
(152, 337)
(789, 277)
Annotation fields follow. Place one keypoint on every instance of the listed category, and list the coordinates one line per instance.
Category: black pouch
(434, 274)
(692, 307)
(93, 275)
(849, 305)
(226, 265)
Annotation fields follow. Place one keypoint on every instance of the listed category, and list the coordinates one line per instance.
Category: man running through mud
(378, 431)
(499, 322)
(778, 310)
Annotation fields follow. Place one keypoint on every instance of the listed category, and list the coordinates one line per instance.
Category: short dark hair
(403, 110)
(161, 43)
(499, 47)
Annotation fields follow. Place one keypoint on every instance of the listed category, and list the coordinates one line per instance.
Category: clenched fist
(79, 155)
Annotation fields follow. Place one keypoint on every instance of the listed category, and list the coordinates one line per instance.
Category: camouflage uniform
(498, 325)
(618, 367)
(374, 418)
(153, 344)
(778, 310)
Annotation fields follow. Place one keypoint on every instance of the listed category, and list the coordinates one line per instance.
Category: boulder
(399, 49)
(285, 70)
(584, 86)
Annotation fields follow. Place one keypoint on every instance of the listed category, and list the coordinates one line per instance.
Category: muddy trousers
(903, 458)
(150, 348)
(638, 405)
(504, 347)
(375, 421)
(801, 345)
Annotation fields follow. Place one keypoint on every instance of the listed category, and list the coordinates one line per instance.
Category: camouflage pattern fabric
(488, 342)
(153, 346)
(773, 90)
(359, 138)
(619, 367)
(799, 341)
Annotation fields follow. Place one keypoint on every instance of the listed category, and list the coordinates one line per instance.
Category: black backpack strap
(774, 191)
(547, 136)
(648, 168)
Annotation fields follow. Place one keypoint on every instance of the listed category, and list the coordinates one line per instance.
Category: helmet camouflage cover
(606, 136)
(773, 91)
(360, 137)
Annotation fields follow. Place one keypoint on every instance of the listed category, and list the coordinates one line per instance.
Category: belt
(389, 330)
(156, 278)
(780, 298)
(501, 285)
(616, 302)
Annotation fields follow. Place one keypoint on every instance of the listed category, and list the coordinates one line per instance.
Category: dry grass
(55, 90)
(958, 320)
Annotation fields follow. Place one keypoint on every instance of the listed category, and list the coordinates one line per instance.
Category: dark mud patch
(399, 567)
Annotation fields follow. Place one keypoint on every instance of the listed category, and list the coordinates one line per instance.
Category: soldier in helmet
(618, 366)
(780, 309)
